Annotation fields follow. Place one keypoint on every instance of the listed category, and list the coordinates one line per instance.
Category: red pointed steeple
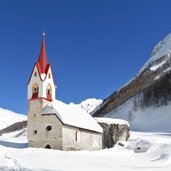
(42, 64)
(42, 60)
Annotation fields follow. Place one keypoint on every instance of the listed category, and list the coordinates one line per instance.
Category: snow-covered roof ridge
(111, 121)
(71, 115)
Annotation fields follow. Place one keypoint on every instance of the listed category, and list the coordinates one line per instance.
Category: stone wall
(48, 133)
(38, 134)
(112, 133)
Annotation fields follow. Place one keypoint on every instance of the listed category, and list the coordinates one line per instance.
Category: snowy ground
(143, 151)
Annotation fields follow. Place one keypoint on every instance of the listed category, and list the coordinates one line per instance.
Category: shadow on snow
(13, 144)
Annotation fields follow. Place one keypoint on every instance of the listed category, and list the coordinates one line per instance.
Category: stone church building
(53, 124)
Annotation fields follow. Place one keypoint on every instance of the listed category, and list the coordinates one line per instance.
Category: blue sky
(94, 46)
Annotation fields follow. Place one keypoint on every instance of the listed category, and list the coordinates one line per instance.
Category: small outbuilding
(114, 130)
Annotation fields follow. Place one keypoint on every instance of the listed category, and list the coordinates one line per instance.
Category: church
(52, 123)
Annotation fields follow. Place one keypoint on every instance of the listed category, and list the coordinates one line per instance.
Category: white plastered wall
(86, 140)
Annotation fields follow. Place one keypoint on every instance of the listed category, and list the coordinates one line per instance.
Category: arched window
(48, 146)
(49, 92)
(35, 91)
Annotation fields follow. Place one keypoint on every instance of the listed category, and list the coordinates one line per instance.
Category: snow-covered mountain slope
(8, 118)
(148, 119)
(161, 49)
(146, 100)
(89, 104)
(16, 136)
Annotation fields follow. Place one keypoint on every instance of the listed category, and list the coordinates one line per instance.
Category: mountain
(161, 49)
(8, 118)
(145, 101)
(89, 104)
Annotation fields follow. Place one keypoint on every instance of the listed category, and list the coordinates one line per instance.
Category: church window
(35, 91)
(35, 74)
(48, 146)
(49, 92)
(90, 139)
(49, 128)
(34, 115)
(77, 136)
(35, 132)
(49, 75)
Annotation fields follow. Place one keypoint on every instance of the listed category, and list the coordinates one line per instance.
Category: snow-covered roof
(71, 115)
(111, 121)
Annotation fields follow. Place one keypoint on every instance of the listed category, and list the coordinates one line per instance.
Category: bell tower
(41, 91)
(41, 84)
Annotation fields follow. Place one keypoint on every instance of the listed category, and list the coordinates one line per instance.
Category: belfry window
(49, 92)
(35, 91)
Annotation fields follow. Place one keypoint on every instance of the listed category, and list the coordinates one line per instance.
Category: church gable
(34, 74)
(34, 83)
(49, 75)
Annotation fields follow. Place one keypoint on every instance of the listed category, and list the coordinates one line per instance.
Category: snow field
(147, 151)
